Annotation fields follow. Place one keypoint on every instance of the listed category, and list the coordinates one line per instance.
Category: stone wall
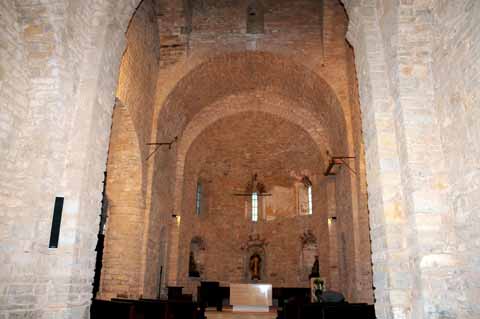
(417, 68)
(16, 288)
(281, 154)
(456, 82)
(60, 150)
(127, 247)
(13, 79)
(404, 56)
(125, 207)
(307, 34)
(72, 52)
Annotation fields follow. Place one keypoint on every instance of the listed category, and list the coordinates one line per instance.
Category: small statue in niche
(255, 261)
(192, 266)
(315, 273)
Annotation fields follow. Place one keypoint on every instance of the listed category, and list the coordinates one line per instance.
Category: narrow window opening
(310, 205)
(255, 18)
(198, 209)
(254, 207)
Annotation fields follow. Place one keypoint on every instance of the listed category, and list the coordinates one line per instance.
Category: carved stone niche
(307, 255)
(196, 263)
(255, 257)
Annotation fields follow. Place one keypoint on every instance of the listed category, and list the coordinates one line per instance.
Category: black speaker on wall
(56, 221)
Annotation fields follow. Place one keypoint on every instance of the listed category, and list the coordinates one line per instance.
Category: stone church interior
(240, 159)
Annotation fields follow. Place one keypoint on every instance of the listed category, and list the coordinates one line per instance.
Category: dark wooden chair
(348, 310)
(104, 309)
(293, 307)
(209, 295)
(296, 309)
(174, 292)
(151, 309)
(166, 309)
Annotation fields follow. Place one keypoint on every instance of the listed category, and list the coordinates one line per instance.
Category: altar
(251, 297)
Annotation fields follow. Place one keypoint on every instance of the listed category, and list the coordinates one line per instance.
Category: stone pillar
(173, 251)
(390, 253)
(411, 238)
(334, 282)
(124, 237)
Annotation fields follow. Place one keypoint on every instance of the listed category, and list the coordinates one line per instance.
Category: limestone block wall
(420, 271)
(456, 82)
(14, 112)
(308, 33)
(73, 53)
(139, 69)
(223, 158)
(125, 197)
(33, 275)
(363, 250)
(127, 246)
(13, 77)
(71, 56)
(161, 222)
(61, 151)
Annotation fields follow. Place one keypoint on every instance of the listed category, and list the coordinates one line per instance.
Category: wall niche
(196, 260)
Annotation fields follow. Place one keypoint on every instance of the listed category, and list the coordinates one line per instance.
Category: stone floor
(228, 314)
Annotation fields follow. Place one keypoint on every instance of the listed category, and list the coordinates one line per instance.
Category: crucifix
(254, 187)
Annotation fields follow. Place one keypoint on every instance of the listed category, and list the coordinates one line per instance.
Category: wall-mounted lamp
(331, 220)
(158, 144)
(335, 162)
(177, 218)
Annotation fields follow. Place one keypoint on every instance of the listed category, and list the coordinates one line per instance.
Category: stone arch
(251, 71)
(247, 72)
(125, 194)
(94, 71)
(251, 101)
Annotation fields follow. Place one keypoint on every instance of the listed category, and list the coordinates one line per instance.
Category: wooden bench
(144, 309)
(103, 309)
(299, 310)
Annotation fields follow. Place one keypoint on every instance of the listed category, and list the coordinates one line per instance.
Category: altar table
(250, 297)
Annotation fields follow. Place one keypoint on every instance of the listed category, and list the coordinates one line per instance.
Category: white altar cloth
(250, 297)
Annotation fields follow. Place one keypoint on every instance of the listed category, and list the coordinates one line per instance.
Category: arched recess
(235, 73)
(260, 74)
(197, 257)
(309, 253)
(269, 75)
(267, 102)
(125, 210)
(299, 155)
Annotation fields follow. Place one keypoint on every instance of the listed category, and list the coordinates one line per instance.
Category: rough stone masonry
(85, 85)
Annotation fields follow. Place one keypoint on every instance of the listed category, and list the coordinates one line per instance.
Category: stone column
(390, 252)
(411, 238)
(334, 282)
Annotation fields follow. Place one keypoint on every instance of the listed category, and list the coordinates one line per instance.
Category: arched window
(198, 202)
(310, 205)
(254, 207)
(305, 195)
